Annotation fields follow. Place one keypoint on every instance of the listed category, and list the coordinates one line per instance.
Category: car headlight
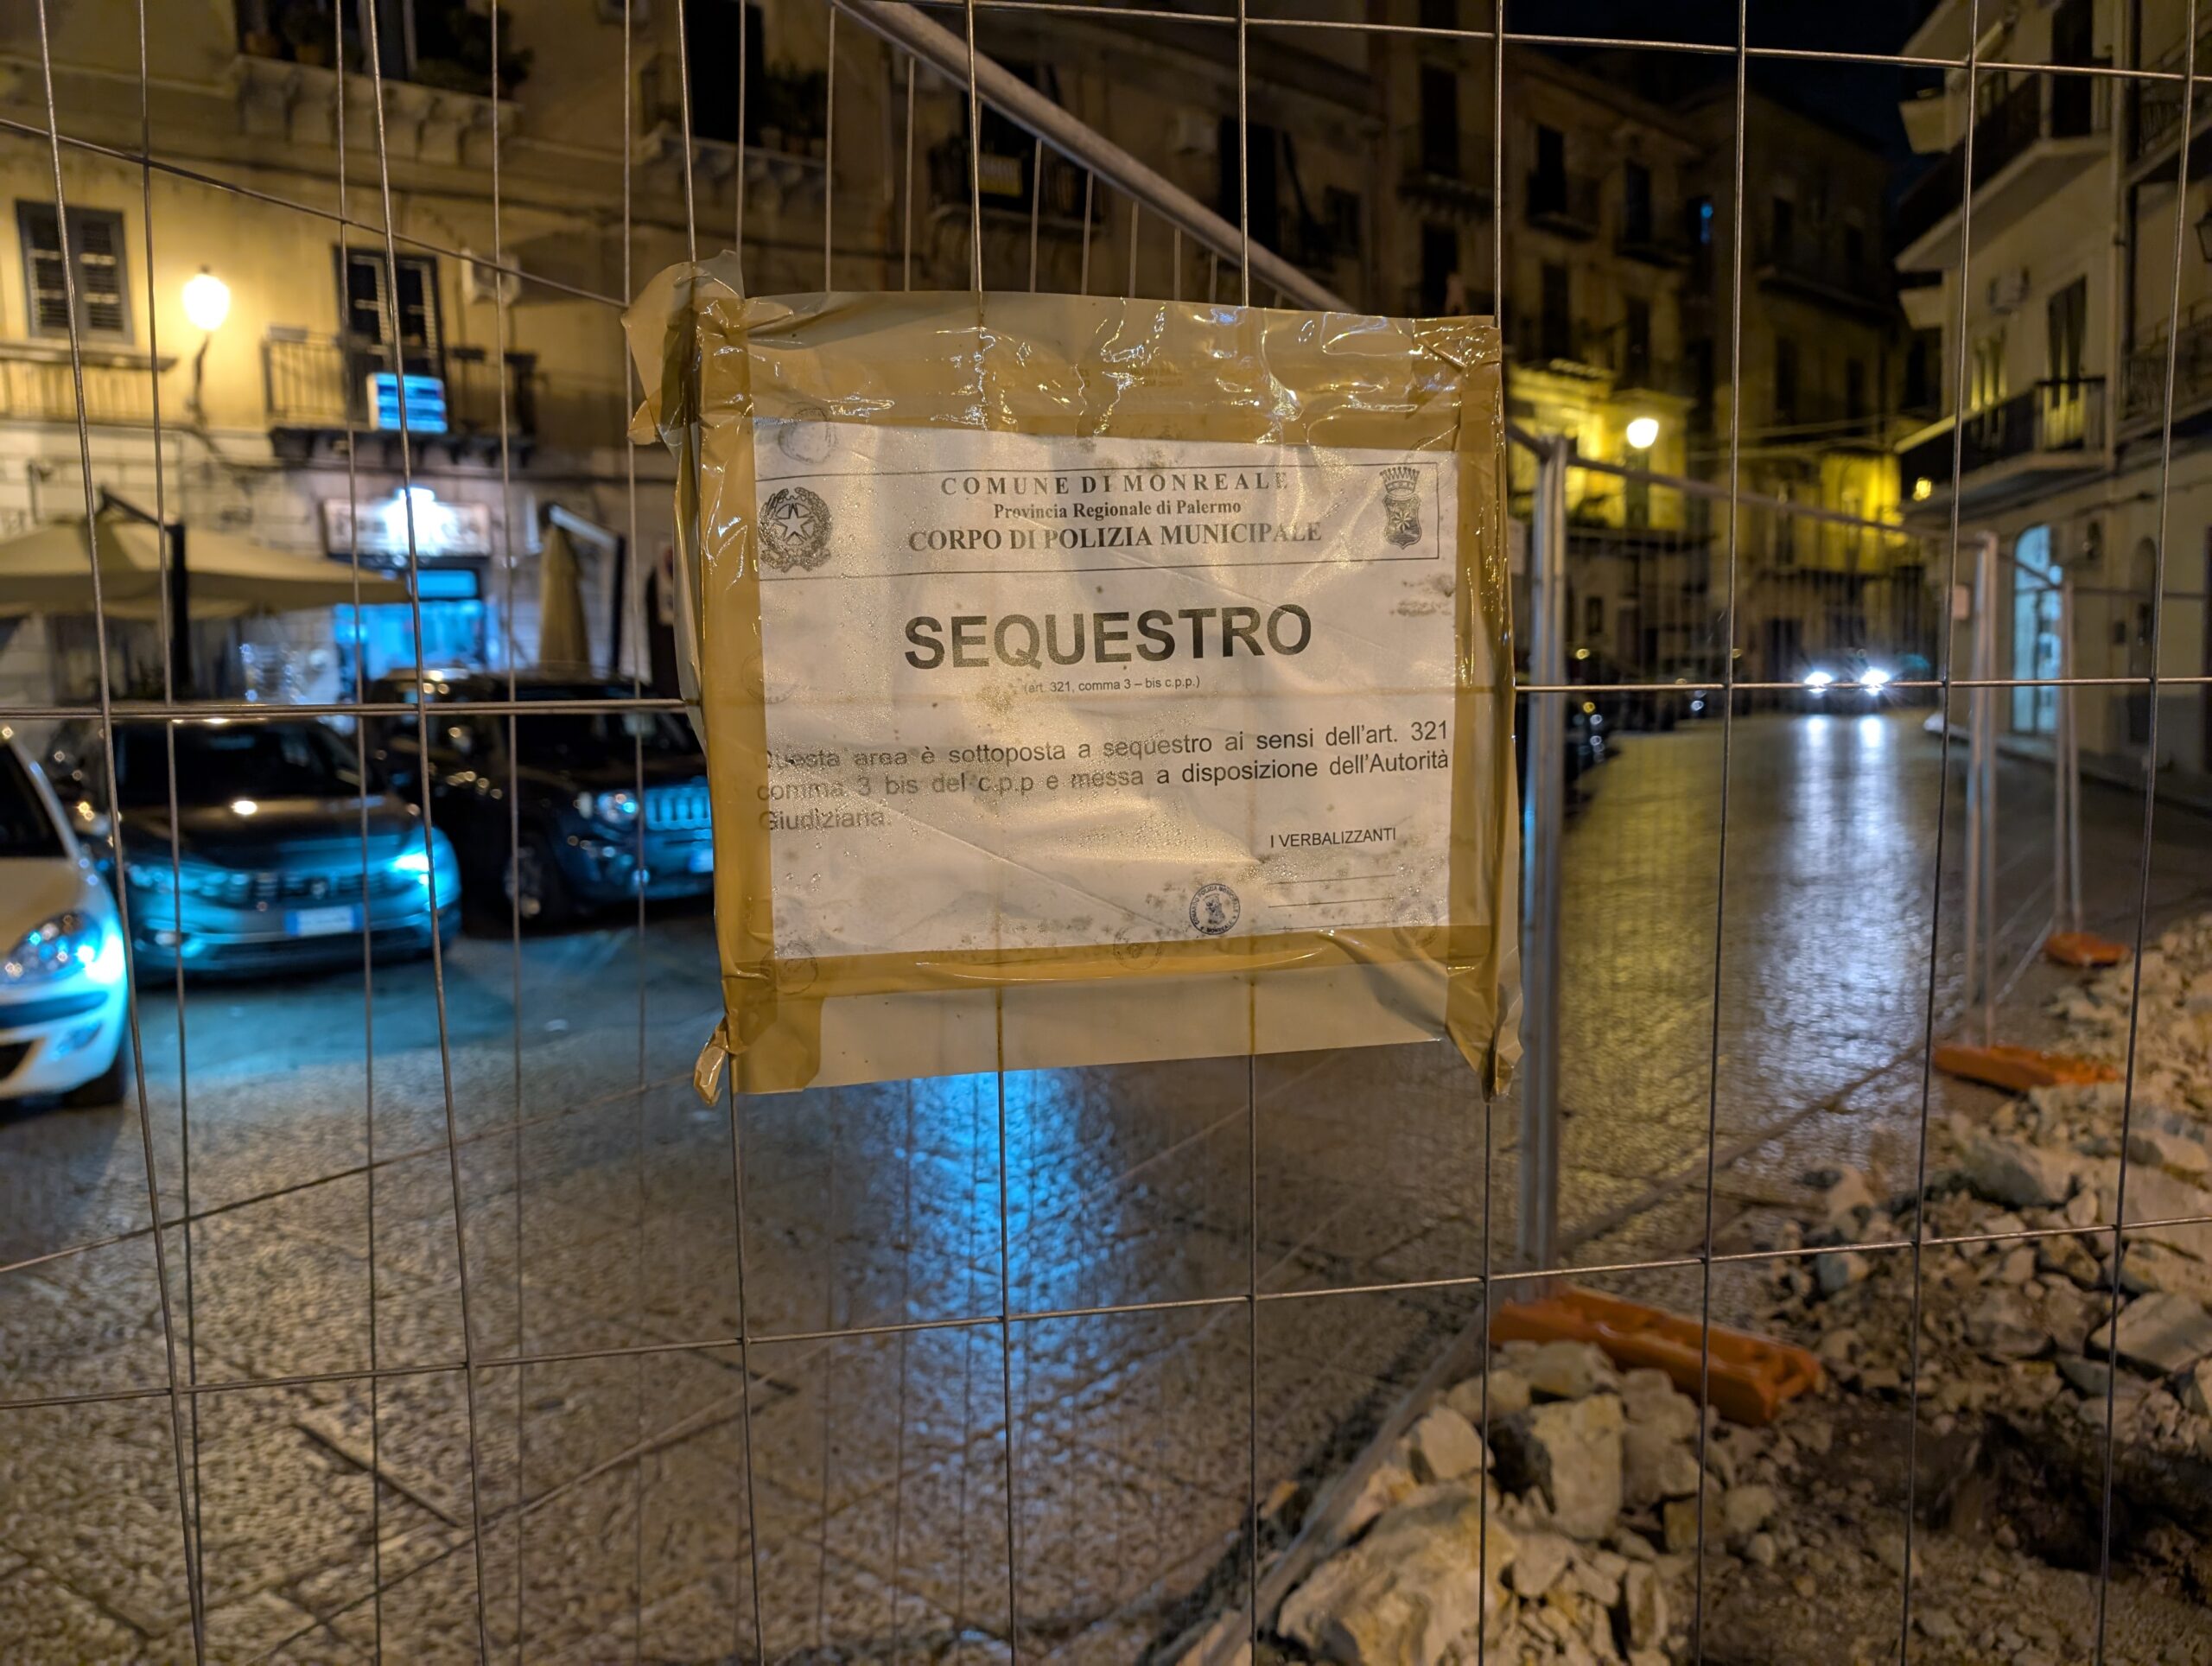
(1819, 680)
(1874, 678)
(436, 854)
(64, 944)
(609, 808)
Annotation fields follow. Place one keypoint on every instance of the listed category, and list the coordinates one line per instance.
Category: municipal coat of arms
(1401, 507)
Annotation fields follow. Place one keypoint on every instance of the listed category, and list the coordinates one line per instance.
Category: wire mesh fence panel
(377, 1284)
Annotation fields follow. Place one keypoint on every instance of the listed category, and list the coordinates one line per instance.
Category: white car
(63, 995)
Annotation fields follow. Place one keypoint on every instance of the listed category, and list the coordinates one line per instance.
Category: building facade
(1370, 166)
(2054, 363)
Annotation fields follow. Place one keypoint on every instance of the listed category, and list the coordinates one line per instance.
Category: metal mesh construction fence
(401, 1301)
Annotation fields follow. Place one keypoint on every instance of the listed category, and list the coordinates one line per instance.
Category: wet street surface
(653, 1488)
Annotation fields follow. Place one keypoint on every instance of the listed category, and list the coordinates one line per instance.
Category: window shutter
(49, 296)
(99, 239)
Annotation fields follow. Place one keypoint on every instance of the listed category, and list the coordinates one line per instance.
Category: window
(1593, 618)
(1440, 121)
(366, 298)
(1854, 389)
(1782, 227)
(96, 240)
(1785, 380)
(1854, 255)
(715, 32)
(1440, 264)
(1261, 186)
(2067, 319)
(1698, 212)
(1551, 154)
(1636, 203)
(1556, 318)
(1987, 386)
(1636, 344)
(1439, 14)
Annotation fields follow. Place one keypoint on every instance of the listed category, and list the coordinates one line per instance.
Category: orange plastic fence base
(2084, 948)
(1750, 1379)
(2018, 1069)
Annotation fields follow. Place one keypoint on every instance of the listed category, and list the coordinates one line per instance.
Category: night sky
(1864, 97)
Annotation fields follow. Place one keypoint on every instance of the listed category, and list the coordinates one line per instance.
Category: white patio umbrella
(49, 569)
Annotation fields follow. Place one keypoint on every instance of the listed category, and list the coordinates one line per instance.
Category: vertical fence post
(1543, 819)
(1981, 793)
(2067, 797)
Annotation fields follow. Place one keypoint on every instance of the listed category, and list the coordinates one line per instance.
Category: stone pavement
(630, 1485)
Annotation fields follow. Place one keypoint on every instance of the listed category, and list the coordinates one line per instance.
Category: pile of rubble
(2036, 1319)
(1580, 1509)
(1549, 1510)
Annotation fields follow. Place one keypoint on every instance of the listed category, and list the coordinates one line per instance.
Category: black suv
(588, 838)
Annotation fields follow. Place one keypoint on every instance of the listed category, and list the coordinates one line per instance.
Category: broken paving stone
(1844, 1194)
(1937, 1626)
(1744, 1510)
(2167, 1150)
(1839, 1270)
(1679, 1520)
(2161, 1332)
(1761, 1549)
(2153, 1267)
(2003, 1324)
(1570, 1450)
(2068, 1314)
(2196, 1393)
(1443, 1447)
(1569, 1370)
(2017, 1267)
(1508, 1393)
(1538, 1561)
(1389, 1484)
(1889, 1549)
(2015, 1171)
(1643, 1605)
(1402, 1596)
(1648, 1398)
(2084, 1208)
(2065, 1255)
(1654, 1467)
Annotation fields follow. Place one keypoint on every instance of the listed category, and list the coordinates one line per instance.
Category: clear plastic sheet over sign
(1089, 680)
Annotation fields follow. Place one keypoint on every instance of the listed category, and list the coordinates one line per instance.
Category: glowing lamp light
(1643, 433)
(1922, 489)
(243, 807)
(207, 301)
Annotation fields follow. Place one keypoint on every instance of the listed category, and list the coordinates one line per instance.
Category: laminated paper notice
(1087, 681)
(1041, 693)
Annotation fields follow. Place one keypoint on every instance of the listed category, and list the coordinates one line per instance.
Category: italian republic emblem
(794, 529)
(1401, 506)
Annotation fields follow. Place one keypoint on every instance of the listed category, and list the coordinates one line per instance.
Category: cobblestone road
(624, 1494)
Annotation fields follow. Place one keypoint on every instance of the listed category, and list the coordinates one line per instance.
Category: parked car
(269, 870)
(587, 838)
(63, 997)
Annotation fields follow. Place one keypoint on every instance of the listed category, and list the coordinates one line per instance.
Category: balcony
(1563, 202)
(1642, 239)
(1008, 182)
(2013, 448)
(2143, 376)
(2034, 139)
(36, 384)
(1824, 273)
(320, 388)
(1434, 171)
(2154, 134)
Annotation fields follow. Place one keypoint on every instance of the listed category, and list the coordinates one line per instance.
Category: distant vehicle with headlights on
(1849, 686)
(63, 997)
(608, 802)
(282, 856)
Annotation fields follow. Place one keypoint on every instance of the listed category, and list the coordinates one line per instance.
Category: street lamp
(1643, 433)
(206, 304)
